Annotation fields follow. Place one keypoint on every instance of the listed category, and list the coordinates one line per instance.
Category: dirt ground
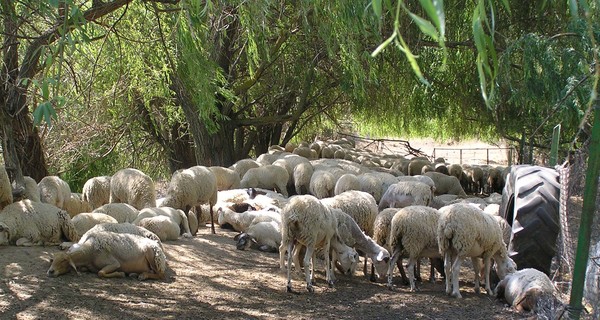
(210, 279)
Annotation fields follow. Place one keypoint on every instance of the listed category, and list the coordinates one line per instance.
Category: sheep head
(61, 262)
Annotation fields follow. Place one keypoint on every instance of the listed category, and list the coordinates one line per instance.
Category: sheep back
(87, 220)
(134, 187)
(445, 184)
(346, 182)
(406, 193)
(359, 205)
(32, 191)
(267, 177)
(54, 190)
(226, 178)
(414, 229)
(164, 227)
(96, 191)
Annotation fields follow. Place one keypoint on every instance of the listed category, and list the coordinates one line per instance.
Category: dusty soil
(210, 279)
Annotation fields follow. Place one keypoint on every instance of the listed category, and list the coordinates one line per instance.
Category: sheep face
(505, 266)
(244, 241)
(381, 263)
(61, 264)
(348, 261)
(4, 234)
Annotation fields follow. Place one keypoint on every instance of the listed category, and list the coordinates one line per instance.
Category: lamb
(446, 184)
(345, 183)
(243, 165)
(226, 178)
(266, 235)
(526, 290)
(406, 193)
(241, 221)
(164, 227)
(75, 206)
(413, 233)
(96, 191)
(178, 217)
(133, 187)
(32, 191)
(6, 196)
(29, 223)
(87, 220)
(306, 221)
(267, 177)
(467, 231)
(191, 188)
(113, 255)
(122, 212)
(54, 190)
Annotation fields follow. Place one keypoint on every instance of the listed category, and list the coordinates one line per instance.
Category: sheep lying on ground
(113, 255)
(241, 221)
(6, 196)
(265, 235)
(122, 212)
(413, 234)
(406, 193)
(267, 177)
(467, 231)
(306, 221)
(96, 191)
(190, 188)
(133, 187)
(527, 290)
(87, 220)
(54, 190)
(164, 227)
(121, 228)
(176, 215)
(446, 184)
(28, 223)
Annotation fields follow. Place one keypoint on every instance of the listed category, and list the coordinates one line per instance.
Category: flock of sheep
(326, 200)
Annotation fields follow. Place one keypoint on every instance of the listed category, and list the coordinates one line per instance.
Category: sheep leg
(448, 270)
(411, 273)
(390, 273)
(455, 273)
(110, 271)
(212, 219)
(487, 263)
(477, 268)
(290, 249)
(282, 251)
(328, 270)
(402, 273)
(308, 266)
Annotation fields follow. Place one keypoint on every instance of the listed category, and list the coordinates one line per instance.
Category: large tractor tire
(530, 204)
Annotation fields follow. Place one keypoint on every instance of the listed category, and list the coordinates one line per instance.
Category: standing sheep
(28, 223)
(322, 184)
(226, 178)
(267, 177)
(345, 183)
(306, 221)
(96, 191)
(6, 196)
(446, 184)
(243, 165)
(32, 191)
(176, 215)
(54, 190)
(406, 193)
(193, 187)
(467, 231)
(415, 166)
(133, 187)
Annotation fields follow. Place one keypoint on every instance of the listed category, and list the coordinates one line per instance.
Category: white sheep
(406, 193)
(164, 227)
(243, 165)
(176, 215)
(122, 212)
(322, 184)
(381, 235)
(74, 205)
(113, 255)
(121, 228)
(526, 290)
(134, 187)
(307, 222)
(421, 178)
(413, 233)
(302, 174)
(6, 196)
(241, 221)
(87, 220)
(32, 191)
(360, 205)
(29, 223)
(96, 191)
(445, 184)
(467, 231)
(54, 190)
(265, 235)
(267, 177)
(190, 188)
(346, 182)
(226, 178)
(372, 184)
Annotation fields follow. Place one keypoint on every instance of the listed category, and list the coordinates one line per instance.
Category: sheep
(190, 188)
(303, 152)
(421, 178)
(455, 170)
(54, 190)
(226, 178)
(346, 182)
(302, 174)
(74, 206)
(29, 223)
(443, 200)
(406, 193)
(415, 166)
(6, 196)
(322, 184)
(526, 290)
(113, 255)
(178, 217)
(476, 178)
(306, 221)
(241, 221)
(164, 227)
(413, 233)
(360, 205)
(32, 191)
(133, 187)
(371, 184)
(351, 234)
(446, 184)
(122, 212)
(87, 220)
(495, 180)
(441, 168)
(243, 165)
(266, 235)
(467, 231)
(96, 191)
(267, 177)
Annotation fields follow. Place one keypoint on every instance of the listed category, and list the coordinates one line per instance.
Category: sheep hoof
(373, 278)
(289, 289)
(310, 288)
(456, 295)
(330, 283)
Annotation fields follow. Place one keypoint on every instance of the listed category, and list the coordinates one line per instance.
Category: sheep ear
(73, 265)
(237, 237)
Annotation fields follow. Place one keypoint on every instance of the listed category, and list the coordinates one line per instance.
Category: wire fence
(495, 156)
